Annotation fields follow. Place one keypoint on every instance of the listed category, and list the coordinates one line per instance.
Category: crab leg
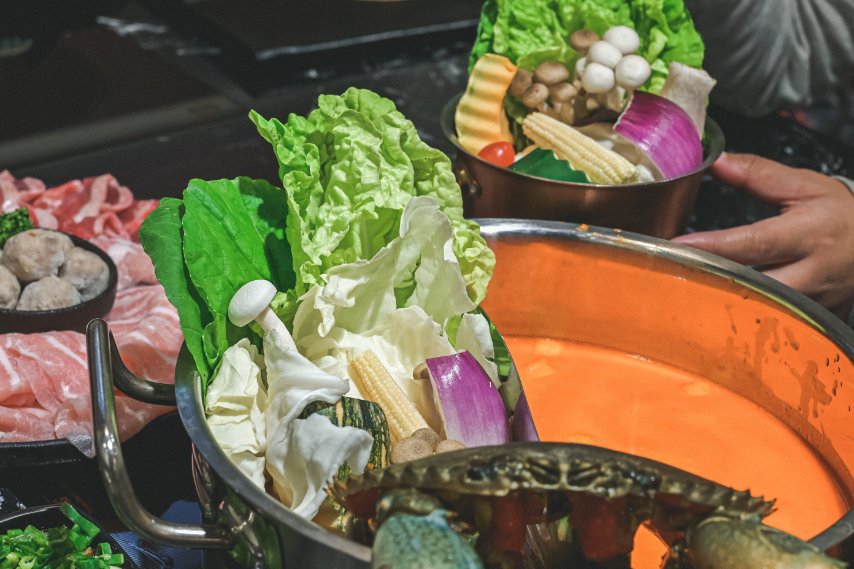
(722, 542)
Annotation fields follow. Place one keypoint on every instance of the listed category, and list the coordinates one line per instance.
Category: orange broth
(592, 395)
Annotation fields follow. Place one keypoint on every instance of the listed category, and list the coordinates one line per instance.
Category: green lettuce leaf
(532, 31)
(162, 237)
(349, 169)
(223, 234)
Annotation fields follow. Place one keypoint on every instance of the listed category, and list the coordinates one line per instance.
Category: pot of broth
(620, 340)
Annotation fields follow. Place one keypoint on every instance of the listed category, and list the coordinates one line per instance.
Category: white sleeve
(771, 54)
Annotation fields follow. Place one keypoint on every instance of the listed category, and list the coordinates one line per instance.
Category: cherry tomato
(499, 153)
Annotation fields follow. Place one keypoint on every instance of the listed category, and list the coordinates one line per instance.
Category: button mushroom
(562, 92)
(632, 72)
(597, 78)
(252, 302)
(535, 95)
(605, 53)
(521, 81)
(551, 72)
(581, 40)
(623, 38)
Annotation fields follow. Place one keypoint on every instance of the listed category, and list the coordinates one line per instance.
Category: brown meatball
(35, 253)
(47, 294)
(86, 271)
(10, 288)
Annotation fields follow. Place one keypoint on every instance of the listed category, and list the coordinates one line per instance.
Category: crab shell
(597, 483)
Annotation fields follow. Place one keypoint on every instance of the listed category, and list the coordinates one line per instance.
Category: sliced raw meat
(44, 382)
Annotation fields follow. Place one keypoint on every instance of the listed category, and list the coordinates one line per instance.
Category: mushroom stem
(252, 302)
(268, 321)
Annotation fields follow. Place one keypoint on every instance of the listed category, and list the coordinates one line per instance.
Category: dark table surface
(149, 94)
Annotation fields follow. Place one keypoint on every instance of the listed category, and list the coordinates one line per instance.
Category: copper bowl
(660, 209)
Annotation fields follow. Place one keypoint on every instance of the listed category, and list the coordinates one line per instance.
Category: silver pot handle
(111, 461)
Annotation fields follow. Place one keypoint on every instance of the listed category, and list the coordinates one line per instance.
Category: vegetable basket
(549, 283)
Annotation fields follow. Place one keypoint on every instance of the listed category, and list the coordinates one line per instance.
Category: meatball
(36, 253)
(10, 289)
(86, 271)
(47, 294)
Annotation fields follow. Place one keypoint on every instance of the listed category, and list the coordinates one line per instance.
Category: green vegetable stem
(60, 547)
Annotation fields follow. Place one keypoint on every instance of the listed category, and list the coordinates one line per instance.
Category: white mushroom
(623, 38)
(632, 72)
(580, 66)
(252, 302)
(597, 78)
(605, 53)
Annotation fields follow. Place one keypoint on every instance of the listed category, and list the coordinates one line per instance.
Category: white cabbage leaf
(303, 455)
(396, 304)
(235, 405)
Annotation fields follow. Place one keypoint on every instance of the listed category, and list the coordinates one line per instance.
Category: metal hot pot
(660, 209)
(548, 280)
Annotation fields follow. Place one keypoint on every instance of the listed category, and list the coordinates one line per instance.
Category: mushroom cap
(249, 301)
(624, 38)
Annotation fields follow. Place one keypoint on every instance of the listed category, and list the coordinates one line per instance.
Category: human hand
(808, 246)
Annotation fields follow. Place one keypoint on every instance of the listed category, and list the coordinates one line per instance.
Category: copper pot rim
(191, 410)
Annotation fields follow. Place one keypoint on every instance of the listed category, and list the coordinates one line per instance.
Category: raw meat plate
(44, 381)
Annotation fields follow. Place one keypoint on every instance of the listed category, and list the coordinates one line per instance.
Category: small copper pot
(660, 209)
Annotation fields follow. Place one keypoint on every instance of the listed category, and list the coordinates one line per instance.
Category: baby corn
(377, 384)
(602, 166)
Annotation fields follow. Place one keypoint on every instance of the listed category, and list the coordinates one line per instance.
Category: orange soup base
(585, 394)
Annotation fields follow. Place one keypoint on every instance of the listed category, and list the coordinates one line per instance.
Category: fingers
(767, 242)
(765, 179)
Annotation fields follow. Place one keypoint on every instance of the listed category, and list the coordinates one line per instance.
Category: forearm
(771, 54)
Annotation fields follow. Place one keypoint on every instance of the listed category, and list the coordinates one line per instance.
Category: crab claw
(415, 534)
(722, 542)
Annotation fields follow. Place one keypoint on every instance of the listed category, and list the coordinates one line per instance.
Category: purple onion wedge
(664, 132)
(523, 422)
(470, 406)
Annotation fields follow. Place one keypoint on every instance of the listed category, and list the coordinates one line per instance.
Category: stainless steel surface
(658, 208)
(269, 535)
(137, 387)
(111, 460)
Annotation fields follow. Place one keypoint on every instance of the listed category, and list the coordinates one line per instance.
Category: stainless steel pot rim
(189, 401)
(713, 131)
(188, 393)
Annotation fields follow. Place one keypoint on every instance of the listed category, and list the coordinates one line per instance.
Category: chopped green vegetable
(13, 223)
(57, 548)
(543, 163)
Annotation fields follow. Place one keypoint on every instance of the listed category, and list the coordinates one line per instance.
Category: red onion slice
(523, 422)
(664, 132)
(470, 405)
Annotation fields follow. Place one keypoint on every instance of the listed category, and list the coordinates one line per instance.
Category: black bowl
(72, 317)
(44, 517)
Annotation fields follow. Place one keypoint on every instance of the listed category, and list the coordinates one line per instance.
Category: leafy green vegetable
(532, 31)
(349, 169)
(543, 163)
(223, 234)
(14, 222)
(57, 548)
